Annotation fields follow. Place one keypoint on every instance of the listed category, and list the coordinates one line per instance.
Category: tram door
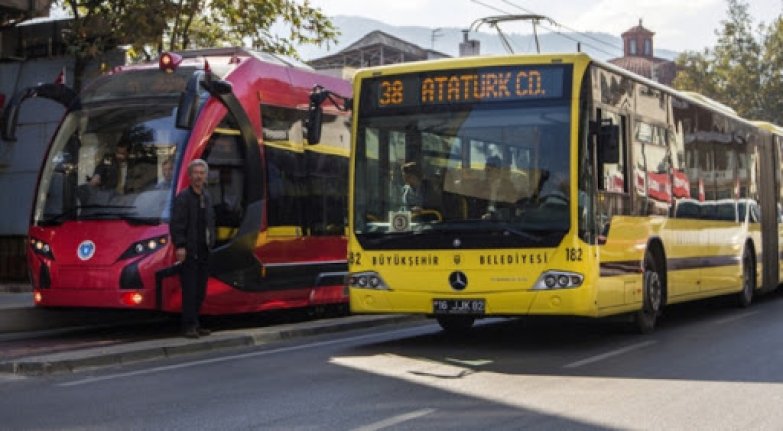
(226, 181)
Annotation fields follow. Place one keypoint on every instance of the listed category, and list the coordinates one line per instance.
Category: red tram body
(280, 204)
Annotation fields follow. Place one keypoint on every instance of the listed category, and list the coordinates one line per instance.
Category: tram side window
(327, 200)
(336, 130)
(287, 186)
(281, 124)
(226, 181)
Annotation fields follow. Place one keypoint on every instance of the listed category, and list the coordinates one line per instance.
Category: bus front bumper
(572, 302)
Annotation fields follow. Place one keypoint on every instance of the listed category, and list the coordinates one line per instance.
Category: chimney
(468, 47)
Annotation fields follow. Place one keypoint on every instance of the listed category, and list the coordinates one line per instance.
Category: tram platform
(17, 314)
(29, 357)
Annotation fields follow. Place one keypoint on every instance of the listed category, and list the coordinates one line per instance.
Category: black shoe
(190, 333)
(203, 332)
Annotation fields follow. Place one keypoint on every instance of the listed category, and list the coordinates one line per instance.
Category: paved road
(709, 366)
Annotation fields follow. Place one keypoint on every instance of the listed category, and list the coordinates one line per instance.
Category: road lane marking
(609, 354)
(734, 318)
(407, 331)
(395, 420)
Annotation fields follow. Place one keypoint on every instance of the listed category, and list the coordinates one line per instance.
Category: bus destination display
(497, 84)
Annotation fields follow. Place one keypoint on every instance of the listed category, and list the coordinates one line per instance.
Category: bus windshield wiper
(504, 228)
(507, 229)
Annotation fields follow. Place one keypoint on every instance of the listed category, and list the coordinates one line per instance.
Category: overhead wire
(559, 24)
(497, 9)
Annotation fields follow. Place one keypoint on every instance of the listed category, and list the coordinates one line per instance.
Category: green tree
(743, 70)
(772, 74)
(98, 26)
(202, 23)
(150, 26)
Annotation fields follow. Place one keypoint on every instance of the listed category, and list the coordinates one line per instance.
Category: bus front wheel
(455, 324)
(652, 299)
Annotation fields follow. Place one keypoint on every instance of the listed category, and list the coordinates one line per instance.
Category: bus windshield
(491, 174)
(113, 160)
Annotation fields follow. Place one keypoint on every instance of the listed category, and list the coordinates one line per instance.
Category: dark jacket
(183, 221)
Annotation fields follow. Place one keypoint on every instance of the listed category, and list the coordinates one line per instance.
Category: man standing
(193, 234)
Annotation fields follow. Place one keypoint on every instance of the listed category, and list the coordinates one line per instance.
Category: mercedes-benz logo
(458, 280)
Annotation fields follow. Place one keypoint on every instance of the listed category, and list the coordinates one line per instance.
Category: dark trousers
(194, 287)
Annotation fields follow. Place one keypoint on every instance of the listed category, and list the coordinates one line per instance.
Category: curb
(128, 353)
(9, 287)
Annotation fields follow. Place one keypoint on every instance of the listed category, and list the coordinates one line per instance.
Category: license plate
(458, 306)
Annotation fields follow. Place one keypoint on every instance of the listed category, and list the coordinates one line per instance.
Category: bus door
(613, 200)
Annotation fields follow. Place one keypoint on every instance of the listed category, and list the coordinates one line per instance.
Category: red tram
(99, 234)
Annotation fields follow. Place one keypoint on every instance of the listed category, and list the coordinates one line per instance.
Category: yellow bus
(553, 185)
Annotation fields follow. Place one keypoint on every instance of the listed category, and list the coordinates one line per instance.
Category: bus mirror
(315, 117)
(609, 142)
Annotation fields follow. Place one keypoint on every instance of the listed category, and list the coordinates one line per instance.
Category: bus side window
(612, 179)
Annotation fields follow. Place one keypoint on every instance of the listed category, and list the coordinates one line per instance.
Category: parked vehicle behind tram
(557, 185)
(99, 230)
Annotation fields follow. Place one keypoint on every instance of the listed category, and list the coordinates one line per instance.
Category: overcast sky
(678, 24)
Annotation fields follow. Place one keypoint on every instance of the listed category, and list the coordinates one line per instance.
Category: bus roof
(551, 58)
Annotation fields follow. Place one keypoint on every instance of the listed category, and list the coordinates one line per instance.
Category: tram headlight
(146, 246)
(41, 248)
(367, 280)
(558, 280)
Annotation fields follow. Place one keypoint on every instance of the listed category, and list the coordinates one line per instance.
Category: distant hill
(603, 46)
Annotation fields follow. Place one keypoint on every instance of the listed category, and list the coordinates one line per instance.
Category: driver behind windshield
(121, 172)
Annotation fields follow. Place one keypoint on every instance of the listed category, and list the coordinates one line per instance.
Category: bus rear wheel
(455, 324)
(745, 296)
(652, 298)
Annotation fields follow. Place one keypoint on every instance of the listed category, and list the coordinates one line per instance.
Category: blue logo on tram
(86, 250)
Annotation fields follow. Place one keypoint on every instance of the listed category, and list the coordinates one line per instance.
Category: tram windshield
(112, 160)
(493, 175)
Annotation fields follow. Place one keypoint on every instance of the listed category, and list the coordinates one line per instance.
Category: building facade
(638, 56)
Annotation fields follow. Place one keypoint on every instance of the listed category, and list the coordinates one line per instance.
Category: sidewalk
(15, 300)
(131, 352)
(11, 287)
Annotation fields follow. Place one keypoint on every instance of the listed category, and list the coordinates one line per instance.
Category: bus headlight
(367, 280)
(558, 280)
(146, 246)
